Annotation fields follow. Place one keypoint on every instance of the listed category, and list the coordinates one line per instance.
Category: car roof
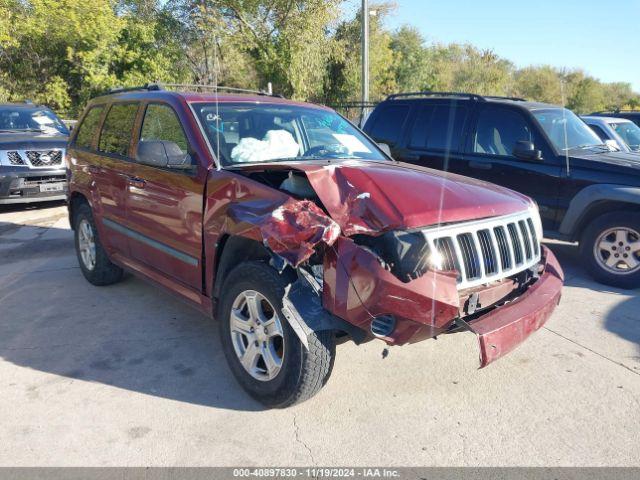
(195, 97)
(464, 97)
(23, 105)
(597, 119)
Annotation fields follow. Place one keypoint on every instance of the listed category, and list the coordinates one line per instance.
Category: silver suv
(32, 148)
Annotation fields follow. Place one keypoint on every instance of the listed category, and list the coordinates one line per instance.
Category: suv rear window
(117, 129)
(439, 127)
(87, 129)
(387, 124)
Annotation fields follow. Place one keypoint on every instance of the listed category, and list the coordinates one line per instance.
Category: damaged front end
(368, 267)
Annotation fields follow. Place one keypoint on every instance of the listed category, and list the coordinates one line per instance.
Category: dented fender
(358, 288)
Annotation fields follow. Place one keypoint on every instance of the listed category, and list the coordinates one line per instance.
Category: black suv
(32, 146)
(633, 115)
(585, 192)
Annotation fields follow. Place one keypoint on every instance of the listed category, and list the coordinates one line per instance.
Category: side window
(161, 123)
(498, 131)
(603, 136)
(388, 123)
(87, 129)
(439, 127)
(117, 129)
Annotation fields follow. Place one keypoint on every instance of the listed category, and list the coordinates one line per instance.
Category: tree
(344, 82)
(411, 60)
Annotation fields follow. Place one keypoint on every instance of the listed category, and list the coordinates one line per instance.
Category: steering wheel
(325, 151)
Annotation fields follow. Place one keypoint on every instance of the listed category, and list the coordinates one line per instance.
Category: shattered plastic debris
(291, 230)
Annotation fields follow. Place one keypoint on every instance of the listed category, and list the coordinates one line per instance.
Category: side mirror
(162, 154)
(385, 148)
(526, 150)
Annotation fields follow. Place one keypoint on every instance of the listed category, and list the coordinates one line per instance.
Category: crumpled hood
(372, 197)
(31, 141)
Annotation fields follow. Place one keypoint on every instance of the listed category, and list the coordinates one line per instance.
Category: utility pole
(365, 51)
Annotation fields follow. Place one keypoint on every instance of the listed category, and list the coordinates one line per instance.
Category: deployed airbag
(275, 144)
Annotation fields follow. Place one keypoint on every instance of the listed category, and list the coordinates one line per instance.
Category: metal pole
(365, 50)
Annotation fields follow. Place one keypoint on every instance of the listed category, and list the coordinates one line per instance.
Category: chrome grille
(44, 158)
(52, 158)
(15, 158)
(487, 250)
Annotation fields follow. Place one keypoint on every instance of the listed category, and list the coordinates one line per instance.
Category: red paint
(507, 326)
(193, 215)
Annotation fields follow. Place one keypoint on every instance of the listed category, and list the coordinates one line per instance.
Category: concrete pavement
(129, 376)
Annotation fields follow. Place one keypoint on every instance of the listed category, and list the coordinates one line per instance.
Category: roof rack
(470, 96)
(499, 97)
(187, 86)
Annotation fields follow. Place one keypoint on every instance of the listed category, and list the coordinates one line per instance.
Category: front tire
(92, 257)
(264, 353)
(610, 247)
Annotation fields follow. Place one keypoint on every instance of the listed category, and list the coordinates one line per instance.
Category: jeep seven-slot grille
(487, 250)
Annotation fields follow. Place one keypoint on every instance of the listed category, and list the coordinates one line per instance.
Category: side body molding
(591, 195)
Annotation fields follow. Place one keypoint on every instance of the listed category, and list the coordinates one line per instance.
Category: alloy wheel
(87, 244)
(257, 336)
(617, 250)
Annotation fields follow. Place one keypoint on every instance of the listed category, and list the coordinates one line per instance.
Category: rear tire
(610, 248)
(265, 355)
(92, 257)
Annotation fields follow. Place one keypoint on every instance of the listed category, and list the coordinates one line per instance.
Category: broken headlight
(405, 254)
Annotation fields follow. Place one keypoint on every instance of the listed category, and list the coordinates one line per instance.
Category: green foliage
(66, 51)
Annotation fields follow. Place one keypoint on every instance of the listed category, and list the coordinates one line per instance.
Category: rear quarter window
(387, 124)
(87, 129)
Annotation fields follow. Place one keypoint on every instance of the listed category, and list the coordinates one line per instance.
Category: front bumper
(25, 185)
(358, 289)
(507, 326)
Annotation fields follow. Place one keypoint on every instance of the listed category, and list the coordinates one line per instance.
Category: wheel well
(231, 251)
(75, 201)
(599, 208)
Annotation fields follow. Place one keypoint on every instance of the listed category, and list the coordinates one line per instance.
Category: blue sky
(601, 37)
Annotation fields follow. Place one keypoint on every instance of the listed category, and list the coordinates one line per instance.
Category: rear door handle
(480, 165)
(136, 182)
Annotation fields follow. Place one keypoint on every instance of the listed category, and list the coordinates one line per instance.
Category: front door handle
(136, 182)
(412, 158)
(480, 165)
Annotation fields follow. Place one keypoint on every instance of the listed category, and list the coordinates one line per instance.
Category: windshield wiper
(587, 146)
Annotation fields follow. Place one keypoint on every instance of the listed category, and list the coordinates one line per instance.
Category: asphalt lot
(127, 375)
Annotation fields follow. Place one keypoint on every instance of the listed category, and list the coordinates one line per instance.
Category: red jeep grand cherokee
(295, 231)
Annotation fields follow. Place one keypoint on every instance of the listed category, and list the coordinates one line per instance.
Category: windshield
(629, 132)
(249, 133)
(566, 130)
(36, 119)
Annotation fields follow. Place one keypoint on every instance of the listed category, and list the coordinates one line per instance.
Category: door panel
(164, 206)
(489, 157)
(165, 212)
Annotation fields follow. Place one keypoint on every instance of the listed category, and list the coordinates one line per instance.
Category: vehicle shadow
(623, 319)
(131, 335)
